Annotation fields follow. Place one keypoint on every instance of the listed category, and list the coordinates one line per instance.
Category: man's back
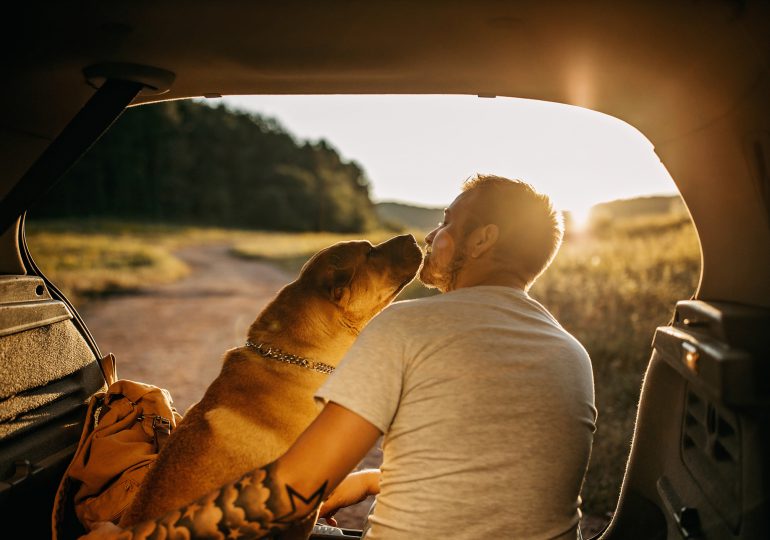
(487, 407)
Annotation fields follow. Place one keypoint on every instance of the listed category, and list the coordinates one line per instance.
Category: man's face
(445, 246)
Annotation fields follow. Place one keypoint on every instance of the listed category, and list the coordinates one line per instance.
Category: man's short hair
(530, 229)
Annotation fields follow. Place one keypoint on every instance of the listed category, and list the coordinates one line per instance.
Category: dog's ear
(337, 284)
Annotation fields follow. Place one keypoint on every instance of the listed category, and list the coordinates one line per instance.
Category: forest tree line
(186, 162)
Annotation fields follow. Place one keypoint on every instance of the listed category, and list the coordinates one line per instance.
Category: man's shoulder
(461, 304)
(481, 295)
(406, 308)
(409, 312)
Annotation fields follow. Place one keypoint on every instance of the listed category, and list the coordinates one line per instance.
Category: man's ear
(337, 284)
(482, 240)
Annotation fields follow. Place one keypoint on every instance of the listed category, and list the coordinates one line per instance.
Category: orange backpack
(124, 430)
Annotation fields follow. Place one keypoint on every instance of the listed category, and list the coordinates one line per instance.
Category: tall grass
(86, 259)
(609, 287)
(91, 265)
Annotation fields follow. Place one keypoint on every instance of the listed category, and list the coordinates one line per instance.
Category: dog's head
(337, 292)
(356, 280)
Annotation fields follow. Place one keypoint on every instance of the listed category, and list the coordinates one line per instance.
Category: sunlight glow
(418, 149)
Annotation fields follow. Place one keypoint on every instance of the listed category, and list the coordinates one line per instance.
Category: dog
(262, 399)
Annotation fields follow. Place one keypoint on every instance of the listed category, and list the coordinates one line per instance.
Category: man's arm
(282, 495)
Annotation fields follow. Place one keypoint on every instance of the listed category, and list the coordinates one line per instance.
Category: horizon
(417, 150)
(417, 205)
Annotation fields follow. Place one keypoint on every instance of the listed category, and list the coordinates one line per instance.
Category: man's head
(497, 231)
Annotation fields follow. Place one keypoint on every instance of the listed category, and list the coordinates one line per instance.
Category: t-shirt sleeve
(369, 378)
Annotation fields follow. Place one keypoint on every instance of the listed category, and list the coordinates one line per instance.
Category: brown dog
(262, 400)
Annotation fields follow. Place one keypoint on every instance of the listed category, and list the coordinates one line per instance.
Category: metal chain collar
(277, 354)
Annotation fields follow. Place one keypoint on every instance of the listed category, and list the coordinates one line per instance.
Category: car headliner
(692, 76)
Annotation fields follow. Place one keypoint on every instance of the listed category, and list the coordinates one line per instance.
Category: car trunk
(696, 85)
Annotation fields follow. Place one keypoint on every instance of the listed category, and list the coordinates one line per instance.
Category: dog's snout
(404, 245)
(403, 238)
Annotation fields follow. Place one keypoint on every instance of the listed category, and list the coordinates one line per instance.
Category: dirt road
(174, 336)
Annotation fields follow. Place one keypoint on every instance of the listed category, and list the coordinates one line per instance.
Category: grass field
(86, 259)
(609, 288)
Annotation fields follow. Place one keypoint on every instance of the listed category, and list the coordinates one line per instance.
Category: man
(485, 402)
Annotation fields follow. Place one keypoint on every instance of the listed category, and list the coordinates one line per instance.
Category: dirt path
(174, 336)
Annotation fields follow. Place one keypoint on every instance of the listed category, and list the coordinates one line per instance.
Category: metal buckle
(161, 428)
(161, 424)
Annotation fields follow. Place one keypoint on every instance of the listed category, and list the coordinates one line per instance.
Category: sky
(419, 149)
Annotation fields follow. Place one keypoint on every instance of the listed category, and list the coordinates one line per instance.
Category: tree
(187, 162)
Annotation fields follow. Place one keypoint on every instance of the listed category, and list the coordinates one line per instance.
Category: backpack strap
(109, 366)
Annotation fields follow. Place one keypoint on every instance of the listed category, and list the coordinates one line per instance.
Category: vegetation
(99, 265)
(639, 207)
(188, 163)
(95, 258)
(395, 215)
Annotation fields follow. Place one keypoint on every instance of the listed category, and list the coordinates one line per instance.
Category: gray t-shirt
(487, 406)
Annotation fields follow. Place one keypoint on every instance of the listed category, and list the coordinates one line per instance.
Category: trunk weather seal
(56, 294)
